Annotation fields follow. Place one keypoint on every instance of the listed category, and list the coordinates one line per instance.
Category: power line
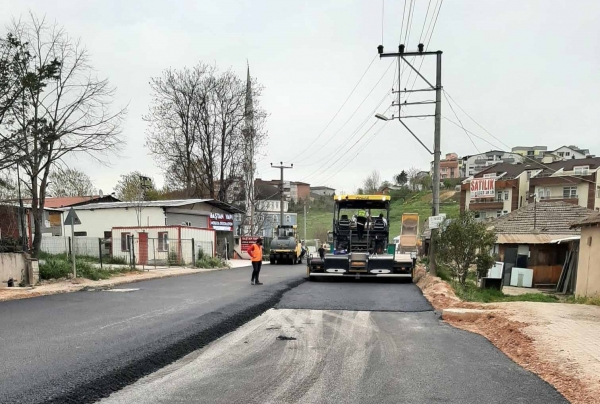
(338, 111)
(461, 124)
(411, 11)
(425, 21)
(356, 131)
(517, 154)
(402, 24)
(351, 116)
(356, 155)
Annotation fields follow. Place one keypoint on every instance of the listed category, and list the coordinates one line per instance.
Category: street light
(382, 117)
(385, 118)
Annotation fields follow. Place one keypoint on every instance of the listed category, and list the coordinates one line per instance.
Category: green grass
(419, 202)
(87, 258)
(57, 268)
(594, 301)
(471, 293)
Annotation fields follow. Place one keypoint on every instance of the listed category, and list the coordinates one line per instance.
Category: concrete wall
(12, 265)
(588, 269)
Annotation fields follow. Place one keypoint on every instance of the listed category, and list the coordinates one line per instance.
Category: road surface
(79, 347)
(344, 342)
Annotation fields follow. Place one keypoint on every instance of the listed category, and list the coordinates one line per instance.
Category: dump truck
(408, 241)
(360, 247)
(285, 246)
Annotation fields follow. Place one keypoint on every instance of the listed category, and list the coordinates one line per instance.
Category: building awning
(567, 239)
(512, 238)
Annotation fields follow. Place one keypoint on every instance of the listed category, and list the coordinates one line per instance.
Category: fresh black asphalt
(386, 346)
(80, 347)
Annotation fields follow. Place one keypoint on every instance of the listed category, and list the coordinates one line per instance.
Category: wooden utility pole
(281, 193)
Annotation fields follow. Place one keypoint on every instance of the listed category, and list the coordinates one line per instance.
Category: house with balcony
(574, 181)
(536, 152)
(474, 164)
(449, 166)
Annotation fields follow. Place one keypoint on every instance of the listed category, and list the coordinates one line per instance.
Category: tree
(401, 179)
(136, 186)
(372, 182)
(62, 109)
(196, 129)
(413, 175)
(384, 184)
(460, 240)
(69, 182)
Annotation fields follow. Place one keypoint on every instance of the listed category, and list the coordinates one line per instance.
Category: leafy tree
(384, 184)
(401, 179)
(69, 182)
(412, 174)
(459, 242)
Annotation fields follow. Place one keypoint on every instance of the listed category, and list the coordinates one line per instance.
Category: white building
(322, 191)
(570, 153)
(472, 165)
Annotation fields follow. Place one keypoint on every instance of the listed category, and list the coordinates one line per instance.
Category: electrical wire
(461, 124)
(424, 21)
(356, 155)
(351, 116)
(338, 111)
(402, 24)
(411, 11)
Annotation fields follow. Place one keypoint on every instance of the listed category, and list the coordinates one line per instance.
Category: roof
(322, 187)
(568, 165)
(530, 238)
(173, 203)
(589, 221)
(61, 202)
(511, 170)
(549, 218)
(361, 197)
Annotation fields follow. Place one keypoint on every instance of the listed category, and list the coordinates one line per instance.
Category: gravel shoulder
(557, 341)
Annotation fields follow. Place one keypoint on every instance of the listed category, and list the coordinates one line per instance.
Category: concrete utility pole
(281, 195)
(401, 55)
(305, 222)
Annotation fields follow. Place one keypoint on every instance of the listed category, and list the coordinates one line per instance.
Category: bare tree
(64, 110)
(137, 188)
(69, 182)
(372, 183)
(195, 129)
(412, 175)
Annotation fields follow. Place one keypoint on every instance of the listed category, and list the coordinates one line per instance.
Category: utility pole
(281, 195)
(401, 55)
(305, 221)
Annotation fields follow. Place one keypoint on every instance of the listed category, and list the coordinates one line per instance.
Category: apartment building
(502, 188)
(531, 152)
(449, 166)
(474, 164)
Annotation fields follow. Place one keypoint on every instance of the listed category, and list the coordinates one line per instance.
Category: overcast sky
(527, 71)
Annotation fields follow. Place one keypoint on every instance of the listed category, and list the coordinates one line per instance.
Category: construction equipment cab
(285, 247)
(360, 247)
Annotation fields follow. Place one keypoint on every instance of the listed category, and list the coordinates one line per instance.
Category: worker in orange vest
(255, 252)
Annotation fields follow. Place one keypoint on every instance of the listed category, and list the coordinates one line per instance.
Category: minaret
(249, 150)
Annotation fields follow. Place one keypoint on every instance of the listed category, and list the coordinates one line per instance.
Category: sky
(524, 72)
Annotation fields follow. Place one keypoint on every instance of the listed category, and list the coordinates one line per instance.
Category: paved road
(78, 347)
(308, 350)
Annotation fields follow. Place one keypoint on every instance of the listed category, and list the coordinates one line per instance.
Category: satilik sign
(483, 188)
(221, 221)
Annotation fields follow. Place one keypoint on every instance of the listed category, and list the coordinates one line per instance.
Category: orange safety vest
(255, 252)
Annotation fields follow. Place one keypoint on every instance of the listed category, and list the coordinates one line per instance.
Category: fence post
(133, 249)
(70, 247)
(100, 251)
(212, 249)
(193, 253)
(154, 253)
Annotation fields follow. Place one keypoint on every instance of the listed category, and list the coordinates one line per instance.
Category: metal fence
(133, 251)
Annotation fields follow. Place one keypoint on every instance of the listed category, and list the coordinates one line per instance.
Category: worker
(361, 221)
(322, 252)
(255, 252)
(383, 219)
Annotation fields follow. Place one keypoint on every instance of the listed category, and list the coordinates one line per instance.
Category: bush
(55, 268)
(471, 293)
(114, 260)
(210, 263)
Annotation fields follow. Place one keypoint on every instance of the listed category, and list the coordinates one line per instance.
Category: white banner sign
(435, 221)
(483, 188)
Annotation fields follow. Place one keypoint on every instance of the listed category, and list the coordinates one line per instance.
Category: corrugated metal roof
(511, 238)
(158, 204)
(567, 239)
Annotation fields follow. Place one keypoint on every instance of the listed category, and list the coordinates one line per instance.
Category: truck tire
(272, 261)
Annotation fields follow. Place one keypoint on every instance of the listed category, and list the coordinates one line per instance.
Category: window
(189, 224)
(581, 170)
(80, 233)
(288, 219)
(567, 153)
(125, 242)
(530, 153)
(499, 196)
(163, 241)
(569, 192)
(498, 213)
(506, 195)
(561, 154)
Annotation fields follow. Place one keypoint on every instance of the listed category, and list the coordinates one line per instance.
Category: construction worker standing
(255, 252)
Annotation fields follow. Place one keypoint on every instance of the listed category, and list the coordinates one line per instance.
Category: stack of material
(566, 282)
